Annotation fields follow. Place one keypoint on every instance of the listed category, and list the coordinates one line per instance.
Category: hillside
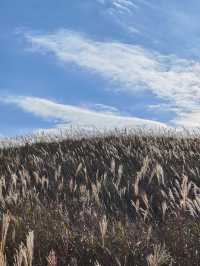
(121, 199)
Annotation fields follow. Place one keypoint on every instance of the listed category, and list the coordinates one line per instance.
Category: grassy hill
(124, 199)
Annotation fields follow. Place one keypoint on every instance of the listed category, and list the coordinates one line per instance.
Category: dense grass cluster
(122, 199)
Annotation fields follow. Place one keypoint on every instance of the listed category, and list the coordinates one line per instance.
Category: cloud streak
(120, 5)
(171, 79)
(68, 115)
(126, 13)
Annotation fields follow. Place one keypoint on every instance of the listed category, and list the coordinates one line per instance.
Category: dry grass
(159, 256)
(122, 199)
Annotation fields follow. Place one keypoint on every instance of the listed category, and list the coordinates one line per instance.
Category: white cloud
(120, 5)
(67, 115)
(163, 107)
(175, 80)
(124, 13)
(102, 108)
(188, 119)
(124, 5)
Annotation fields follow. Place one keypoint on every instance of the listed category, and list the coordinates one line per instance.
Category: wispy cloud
(67, 115)
(140, 18)
(171, 79)
(101, 108)
(124, 5)
(127, 12)
(120, 5)
(120, 10)
(188, 119)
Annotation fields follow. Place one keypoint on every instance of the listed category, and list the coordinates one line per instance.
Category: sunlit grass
(117, 198)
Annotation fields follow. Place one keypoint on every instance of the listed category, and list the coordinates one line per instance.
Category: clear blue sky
(102, 63)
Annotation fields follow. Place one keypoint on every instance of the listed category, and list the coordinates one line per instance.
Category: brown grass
(122, 199)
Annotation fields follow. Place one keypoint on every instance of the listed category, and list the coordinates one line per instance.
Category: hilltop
(116, 199)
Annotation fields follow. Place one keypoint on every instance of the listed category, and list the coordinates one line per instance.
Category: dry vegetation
(122, 199)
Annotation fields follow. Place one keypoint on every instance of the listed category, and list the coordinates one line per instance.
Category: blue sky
(101, 63)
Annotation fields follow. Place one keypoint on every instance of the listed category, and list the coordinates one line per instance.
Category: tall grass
(126, 198)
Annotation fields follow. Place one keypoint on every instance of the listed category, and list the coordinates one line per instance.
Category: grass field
(123, 199)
